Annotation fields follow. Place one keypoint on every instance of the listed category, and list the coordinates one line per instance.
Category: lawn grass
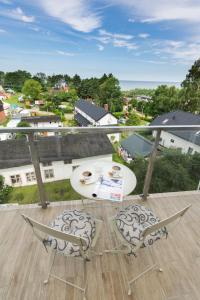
(14, 100)
(56, 191)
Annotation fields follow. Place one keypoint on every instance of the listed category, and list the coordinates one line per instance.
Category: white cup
(86, 175)
(116, 171)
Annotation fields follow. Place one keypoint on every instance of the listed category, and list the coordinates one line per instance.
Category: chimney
(106, 107)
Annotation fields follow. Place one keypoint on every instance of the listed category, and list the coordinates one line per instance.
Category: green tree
(110, 93)
(173, 171)
(32, 88)
(191, 89)
(5, 190)
(2, 75)
(16, 79)
(164, 99)
(54, 79)
(41, 78)
(133, 120)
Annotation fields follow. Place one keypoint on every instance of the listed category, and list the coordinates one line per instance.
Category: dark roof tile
(15, 153)
(92, 110)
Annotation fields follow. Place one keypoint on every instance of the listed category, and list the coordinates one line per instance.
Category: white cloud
(2, 30)
(65, 53)
(17, 14)
(179, 51)
(131, 20)
(6, 2)
(165, 10)
(100, 47)
(118, 40)
(75, 13)
(115, 35)
(144, 35)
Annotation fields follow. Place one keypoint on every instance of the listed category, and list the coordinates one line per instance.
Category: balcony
(24, 263)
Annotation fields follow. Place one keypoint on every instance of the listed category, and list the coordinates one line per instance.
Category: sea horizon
(133, 84)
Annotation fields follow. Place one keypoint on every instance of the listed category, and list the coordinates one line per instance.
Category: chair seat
(131, 222)
(73, 222)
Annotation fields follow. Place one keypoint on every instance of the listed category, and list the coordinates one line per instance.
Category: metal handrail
(104, 129)
(29, 131)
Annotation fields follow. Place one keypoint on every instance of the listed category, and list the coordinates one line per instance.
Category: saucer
(115, 175)
(91, 180)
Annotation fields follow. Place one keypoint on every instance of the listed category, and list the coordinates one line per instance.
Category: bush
(5, 190)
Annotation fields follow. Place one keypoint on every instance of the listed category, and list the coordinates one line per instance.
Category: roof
(180, 118)
(177, 118)
(41, 119)
(93, 111)
(81, 120)
(15, 153)
(137, 145)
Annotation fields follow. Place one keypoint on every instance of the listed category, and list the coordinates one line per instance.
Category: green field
(56, 191)
(14, 100)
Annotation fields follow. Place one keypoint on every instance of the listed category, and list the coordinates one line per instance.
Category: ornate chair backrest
(164, 222)
(46, 230)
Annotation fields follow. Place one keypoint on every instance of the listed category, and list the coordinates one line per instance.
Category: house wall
(61, 170)
(48, 125)
(178, 142)
(107, 120)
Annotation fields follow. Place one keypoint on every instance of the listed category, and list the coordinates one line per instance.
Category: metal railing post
(36, 164)
(149, 172)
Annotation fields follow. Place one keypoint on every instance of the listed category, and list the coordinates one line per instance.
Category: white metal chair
(73, 233)
(137, 227)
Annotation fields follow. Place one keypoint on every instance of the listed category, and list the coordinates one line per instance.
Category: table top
(99, 168)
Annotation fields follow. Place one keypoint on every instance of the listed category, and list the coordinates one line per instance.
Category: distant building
(39, 102)
(88, 114)
(50, 121)
(188, 141)
(61, 85)
(2, 96)
(135, 145)
(58, 156)
(143, 98)
(2, 113)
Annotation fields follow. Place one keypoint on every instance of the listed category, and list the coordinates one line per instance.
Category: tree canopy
(173, 171)
(5, 190)
(32, 88)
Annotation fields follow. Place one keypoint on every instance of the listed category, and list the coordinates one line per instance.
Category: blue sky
(135, 40)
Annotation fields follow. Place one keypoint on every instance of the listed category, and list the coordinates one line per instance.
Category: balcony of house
(42, 164)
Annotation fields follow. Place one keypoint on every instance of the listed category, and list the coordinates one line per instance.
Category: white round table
(101, 168)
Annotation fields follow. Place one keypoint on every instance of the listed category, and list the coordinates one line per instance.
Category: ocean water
(129, 84)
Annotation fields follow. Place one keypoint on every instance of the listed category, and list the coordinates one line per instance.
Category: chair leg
(53, 254)
(140, 275)
(83, 290)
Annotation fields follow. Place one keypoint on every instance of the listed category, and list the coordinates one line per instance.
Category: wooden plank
(24, 263)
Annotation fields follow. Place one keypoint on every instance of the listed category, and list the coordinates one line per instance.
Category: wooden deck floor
(24, 262)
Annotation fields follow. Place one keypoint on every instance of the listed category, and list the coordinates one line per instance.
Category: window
(30, 176)
(47, 164)
(74, 167)
(67, 161)
(16, 179)
(172, 141)
(48, 173)
(165, 121)
(190, 150)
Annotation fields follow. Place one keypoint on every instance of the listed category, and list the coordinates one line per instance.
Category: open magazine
(109, 188)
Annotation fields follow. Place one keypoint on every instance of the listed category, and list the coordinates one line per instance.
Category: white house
(88, 114)
(50, 121)
(188, 141)
(58, 155)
